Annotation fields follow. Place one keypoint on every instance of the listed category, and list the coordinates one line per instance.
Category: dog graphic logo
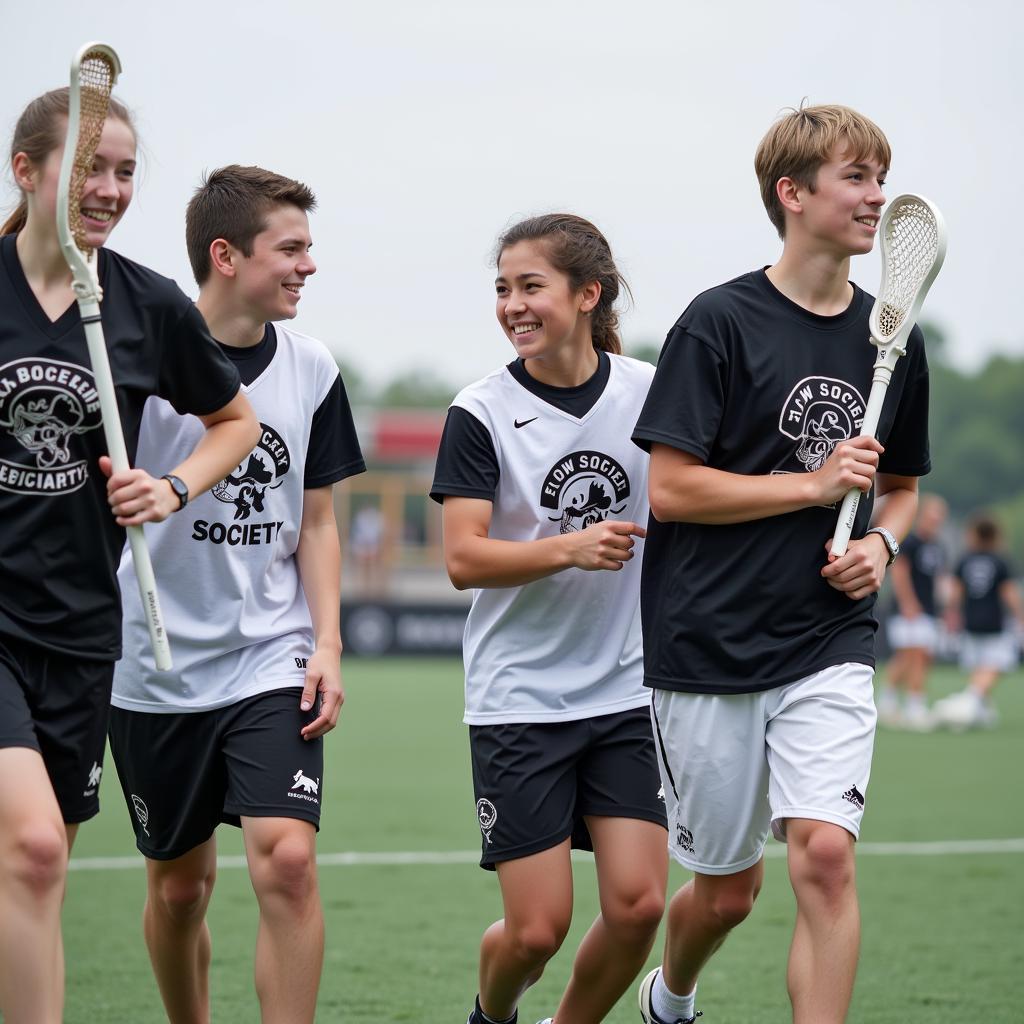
(855, 797)
(305, 783)
(262, 470)
(582, 489)
(44, 405)
(818, 414)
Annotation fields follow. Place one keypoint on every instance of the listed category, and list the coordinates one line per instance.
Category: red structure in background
(404, 436)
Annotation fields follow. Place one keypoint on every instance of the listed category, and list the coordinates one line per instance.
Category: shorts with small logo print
(534, 782)
(58, 705)
(735, 765)
(184, 774)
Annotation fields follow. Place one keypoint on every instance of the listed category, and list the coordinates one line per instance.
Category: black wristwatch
(179, 488)
(890, 542)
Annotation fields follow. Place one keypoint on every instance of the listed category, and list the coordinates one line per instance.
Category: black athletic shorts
(58, 704)
(534, 782)
(184, 774)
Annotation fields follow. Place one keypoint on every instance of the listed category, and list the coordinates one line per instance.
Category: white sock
(915, 702)
(667, 1005)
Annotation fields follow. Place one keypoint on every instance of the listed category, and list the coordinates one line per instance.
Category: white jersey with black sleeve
(233, 603)
(568, 646)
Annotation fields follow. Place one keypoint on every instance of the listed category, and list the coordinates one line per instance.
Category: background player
(913, 627)
(760, 650)
(983, 593)
(251, 578)
(541, 490)
(60, 615)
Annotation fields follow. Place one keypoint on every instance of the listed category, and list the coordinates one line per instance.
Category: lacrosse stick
(913, 248)
(94, 70)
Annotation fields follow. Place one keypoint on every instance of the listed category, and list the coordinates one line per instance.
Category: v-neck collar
(53, 329)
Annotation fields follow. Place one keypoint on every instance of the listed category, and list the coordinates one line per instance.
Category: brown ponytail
(39, 131)
(579, 250)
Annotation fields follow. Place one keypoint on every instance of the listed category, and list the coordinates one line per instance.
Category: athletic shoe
(917, 718)
(960, 711)
(647, 1014)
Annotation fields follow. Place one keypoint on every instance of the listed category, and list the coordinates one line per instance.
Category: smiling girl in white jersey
(543, 493)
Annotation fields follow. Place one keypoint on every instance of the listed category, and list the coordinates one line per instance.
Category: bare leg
(983, 680)
(918, 663)
(632, 869)
(537, 896)
(174, 923)
(33, 869)
(700, 916)
(826, 940)
(290, 941)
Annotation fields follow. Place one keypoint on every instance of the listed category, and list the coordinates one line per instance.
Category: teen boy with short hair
(759, 646)
(250, 584)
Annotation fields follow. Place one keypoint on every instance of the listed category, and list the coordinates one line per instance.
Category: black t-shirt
(982, 573)
(60, 546)
(467, 465)
(333, 453)
(752, 383)
(926, 559)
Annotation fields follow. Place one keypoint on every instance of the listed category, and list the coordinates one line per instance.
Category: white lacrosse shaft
(913, 249)
(884, 365)
(88, 293)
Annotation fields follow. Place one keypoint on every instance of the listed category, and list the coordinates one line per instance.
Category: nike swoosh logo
(517, 424)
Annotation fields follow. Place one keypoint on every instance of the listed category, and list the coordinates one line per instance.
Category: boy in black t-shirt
(758, 644)
(983, 592)
(913, 627)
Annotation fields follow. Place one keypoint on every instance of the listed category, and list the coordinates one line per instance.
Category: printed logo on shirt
(44, 404)
(262, 470)
(818, 414)
(583, 488)
(309, 789)
(979, 574)
(487, 815)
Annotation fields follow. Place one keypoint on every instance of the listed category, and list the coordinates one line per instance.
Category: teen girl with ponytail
(544, 495)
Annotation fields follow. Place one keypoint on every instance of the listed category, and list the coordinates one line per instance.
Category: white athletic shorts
(919, 632)
(733, 765)
(989, 650)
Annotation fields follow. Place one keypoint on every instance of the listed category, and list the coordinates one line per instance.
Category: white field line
(940, 848)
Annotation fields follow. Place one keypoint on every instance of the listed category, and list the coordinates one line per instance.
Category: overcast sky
(424, 128)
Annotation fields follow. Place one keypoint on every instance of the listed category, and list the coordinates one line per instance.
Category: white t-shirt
(229, 586)
(568, 646)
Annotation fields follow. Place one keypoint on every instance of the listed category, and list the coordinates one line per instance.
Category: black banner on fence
(375, 629)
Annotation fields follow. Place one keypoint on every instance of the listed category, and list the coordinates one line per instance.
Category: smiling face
(842, 213)
(537, 307)
(108, 189)
(270, 281)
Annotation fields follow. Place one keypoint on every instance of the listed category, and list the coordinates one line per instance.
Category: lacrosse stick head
(913, 248)
(94, 69)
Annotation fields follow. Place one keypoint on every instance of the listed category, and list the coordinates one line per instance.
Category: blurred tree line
(977, 427)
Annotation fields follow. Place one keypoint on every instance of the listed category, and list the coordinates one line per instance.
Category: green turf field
(942, 931)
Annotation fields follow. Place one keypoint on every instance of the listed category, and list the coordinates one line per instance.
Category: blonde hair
(799, 142)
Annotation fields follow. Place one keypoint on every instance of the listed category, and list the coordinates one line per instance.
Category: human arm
(1009, 593)
(231, 432)
(318, 556)
(860, 571)
(683, 489)
(954, 616)
(907, 603)
(474, 559)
